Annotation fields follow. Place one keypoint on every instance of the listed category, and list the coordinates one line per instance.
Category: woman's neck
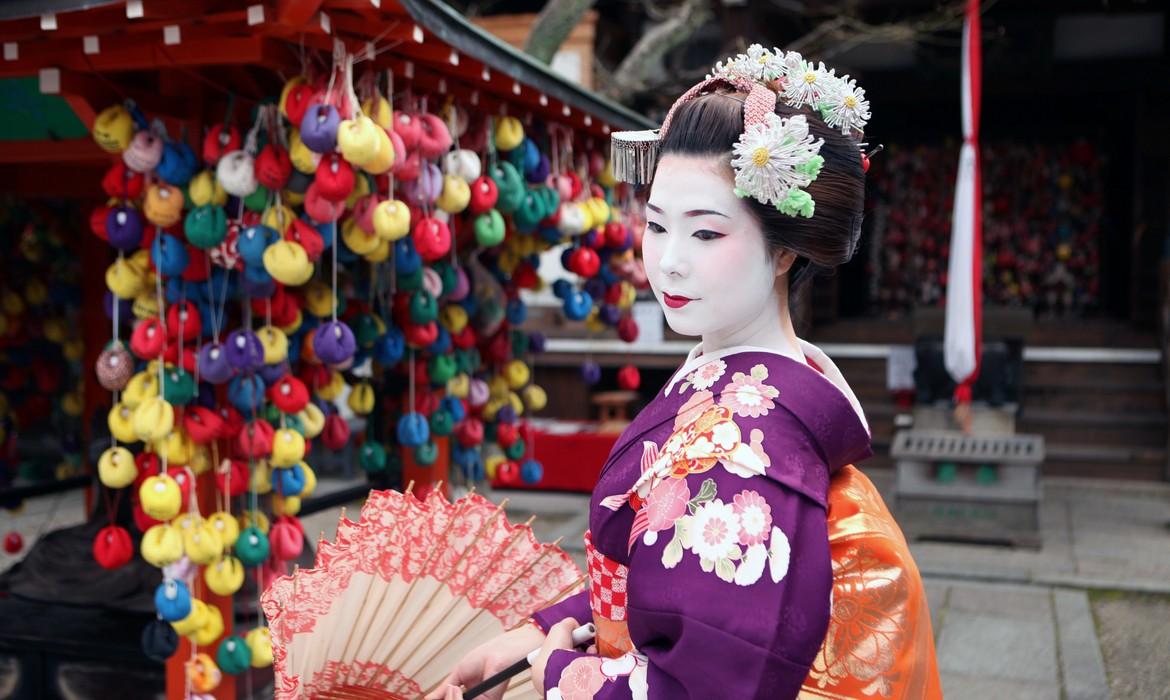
(772, 330)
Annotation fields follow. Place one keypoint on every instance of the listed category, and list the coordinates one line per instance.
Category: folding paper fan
(398, 598)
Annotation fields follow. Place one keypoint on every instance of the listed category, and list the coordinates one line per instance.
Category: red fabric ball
(309, 237)
(432, 239)
(508, 473)
(335, 433)
(585, 262)
(506, 434)
(182, 477)
(112, 547)
(255, 439)
(484, 195)
(465, 338)
(183, 319)
(142, 521)
(202, 424)
(289, 394)
(220, 140)
(97, 222)
(629, 378)
(469, 432)
(187, 361)
(627, 329)
(147, 339)
(233, 422)
(334, 178)
(286, 538)
(122, 183)
(273, 167)
(421, 335)
(234, 471)
(13, 542)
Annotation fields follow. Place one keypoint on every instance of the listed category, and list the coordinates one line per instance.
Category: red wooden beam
(296, 13)
(81, 150)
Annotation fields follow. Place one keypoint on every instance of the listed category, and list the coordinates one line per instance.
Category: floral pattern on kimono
(714, 499)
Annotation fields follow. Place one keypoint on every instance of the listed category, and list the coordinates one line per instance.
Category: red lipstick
(676, 302)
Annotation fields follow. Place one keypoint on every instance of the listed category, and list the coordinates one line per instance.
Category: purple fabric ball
(213, 363)
(536, 342)
(506, 414)
(334, 343)
(244, 351)
(590, 373)
(272, 374)
(125, 307)
(124, 228)
(319, 128)
(595, 288)
(609, 314)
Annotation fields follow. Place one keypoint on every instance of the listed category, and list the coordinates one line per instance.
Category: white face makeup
(705, 254)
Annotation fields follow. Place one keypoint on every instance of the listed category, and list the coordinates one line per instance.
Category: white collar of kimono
(829, 371)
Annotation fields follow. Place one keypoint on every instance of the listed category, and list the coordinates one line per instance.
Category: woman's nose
(673, 261)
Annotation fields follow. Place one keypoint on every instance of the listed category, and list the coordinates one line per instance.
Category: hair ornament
(775, 158)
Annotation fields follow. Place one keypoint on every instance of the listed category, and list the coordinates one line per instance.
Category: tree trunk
(553, 25)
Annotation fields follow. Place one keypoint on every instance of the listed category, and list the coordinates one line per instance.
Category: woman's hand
(560, 636)
(487, 659)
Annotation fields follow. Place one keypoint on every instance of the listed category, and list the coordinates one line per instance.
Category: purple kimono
(708, 552)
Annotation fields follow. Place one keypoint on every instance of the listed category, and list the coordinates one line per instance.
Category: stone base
(961, 520)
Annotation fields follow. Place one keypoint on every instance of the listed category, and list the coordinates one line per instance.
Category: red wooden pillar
(176, 669)
(425, 477)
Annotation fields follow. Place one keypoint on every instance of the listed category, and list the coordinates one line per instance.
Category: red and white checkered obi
(607, 600)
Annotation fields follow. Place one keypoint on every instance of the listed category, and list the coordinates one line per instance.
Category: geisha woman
(733, 549)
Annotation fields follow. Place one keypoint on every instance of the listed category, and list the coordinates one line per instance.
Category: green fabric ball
(252, 546)
(441, 368)
(365, 330)
(258, 200)
(448, 274)
(372, 457)
(426, 453)
(516, 450)
(233, 656)
(519, 343)
(411, 282)
(178, 386)
(441, 423)
(423, 307)
(205, 226)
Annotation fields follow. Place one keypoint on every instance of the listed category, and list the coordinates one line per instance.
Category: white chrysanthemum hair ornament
(776, 157)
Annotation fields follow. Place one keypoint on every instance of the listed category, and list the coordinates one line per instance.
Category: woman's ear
(784, 262)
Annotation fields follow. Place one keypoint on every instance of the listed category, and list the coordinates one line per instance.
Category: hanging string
(334, 251)
(410, 383)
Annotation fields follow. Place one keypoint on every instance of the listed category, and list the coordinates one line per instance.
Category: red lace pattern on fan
(607, 583)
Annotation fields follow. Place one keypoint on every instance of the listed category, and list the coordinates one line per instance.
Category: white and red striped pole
(963, 334)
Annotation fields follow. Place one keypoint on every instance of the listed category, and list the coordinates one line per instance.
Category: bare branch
(642, 66)
(552, 26)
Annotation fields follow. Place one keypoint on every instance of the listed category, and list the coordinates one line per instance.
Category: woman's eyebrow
(694, 212)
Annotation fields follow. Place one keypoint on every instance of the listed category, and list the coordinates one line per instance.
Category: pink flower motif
(690, 411)
(748, 397)
(582, 678)
(706, 375)
(755, 517)
(666, 504)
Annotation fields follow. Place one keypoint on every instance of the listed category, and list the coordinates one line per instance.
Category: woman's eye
(705, 235)
(651, 226)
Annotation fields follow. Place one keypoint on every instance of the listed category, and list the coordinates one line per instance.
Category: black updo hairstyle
(711, 124)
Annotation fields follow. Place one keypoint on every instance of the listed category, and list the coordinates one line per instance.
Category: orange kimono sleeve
(879, 643)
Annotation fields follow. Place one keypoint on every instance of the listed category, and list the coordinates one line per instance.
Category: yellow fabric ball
(303, 159)
(384, 159)
(509, 133)
(113, 128)
(517, 374)
(261, 478)
(162, 545)
(225, 577)
(312, 420)
(275, 344)
(279, 218)
(356, 239)
(535, 397)
(310, 480)
(176, 448)
(120, 420)
(116, 468)
(288, 263)
(202, 543)
(196, 619)
(391, 219)
(206, 635)
(226, 526)
(200, 459)
(357, 140)
(254, 518)
(319, 300)
(288, 448)
(286, 505)
(201, 189)
(361, 399)
(379, 109)
(161, 497)
(154, 419)
(379, 254)
(123, 279)
(459, 385)
(453, 317)
(259, 642)
(333, 389)
(142, 386)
